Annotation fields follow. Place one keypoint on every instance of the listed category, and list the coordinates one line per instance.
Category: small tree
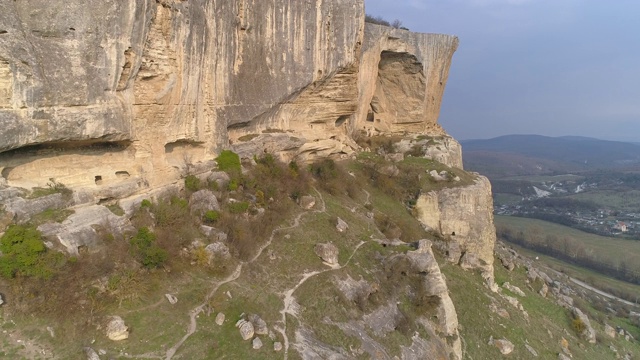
(145, 249)
(228, 161)
(22, 249)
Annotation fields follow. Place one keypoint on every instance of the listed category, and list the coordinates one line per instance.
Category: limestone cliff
(149, 87)
(97, 94)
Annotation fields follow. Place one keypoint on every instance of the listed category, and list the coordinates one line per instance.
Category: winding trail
(193, 314)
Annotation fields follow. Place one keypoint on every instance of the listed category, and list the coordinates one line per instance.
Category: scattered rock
(277, 346)
(116, 329)
(544, 290)
(203, 201)
(307, 202)
(172, 299)
(327, 252)
(213, 233)
(395, 157)
(91, 354)
(507, 262)
(531, 350)
(389, 170)
(259, 325)
(220, 178)
(514, 289)
(257, 343)
(513, 301)
(218, 249)
(565, 301)
(51, 332)
(442, 176)
(220, 318)
(341, 225)
(246, 329)
(102, 352)
(505, 346)
(609, 330)
(500, 311)
(1, 299)
(588, 333)
(562, 356)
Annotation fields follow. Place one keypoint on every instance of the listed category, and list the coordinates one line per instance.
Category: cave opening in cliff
(341, 120)
(398, 100)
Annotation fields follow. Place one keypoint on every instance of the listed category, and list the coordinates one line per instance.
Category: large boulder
(505, 346)
(116, 329)
(327, 252)
(259, 325)
(246, 329)
(588, 333)
(341, 225)
(202, 201)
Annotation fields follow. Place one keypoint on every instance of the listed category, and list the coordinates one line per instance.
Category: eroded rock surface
(464, 216)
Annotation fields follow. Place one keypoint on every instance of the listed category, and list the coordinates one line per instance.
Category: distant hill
(511, 155)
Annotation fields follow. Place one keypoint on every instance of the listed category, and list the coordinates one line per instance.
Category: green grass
(116, 209)
(613, 286)
(51, 215)
(472, 302)
(607, 249)
(506, 199)
(628, 200)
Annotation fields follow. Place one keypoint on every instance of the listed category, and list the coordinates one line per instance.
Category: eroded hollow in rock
(400, 91)
(341, 120)
(122, 174)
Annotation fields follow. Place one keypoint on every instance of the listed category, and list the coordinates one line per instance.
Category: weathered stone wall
(402, 79)
(167, 77)
(464, 218)
(92, 90)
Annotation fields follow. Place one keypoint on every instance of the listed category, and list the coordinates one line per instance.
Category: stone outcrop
(463, 216)
(116, 329)
(424, 262)
(402, 79)
(327, 252)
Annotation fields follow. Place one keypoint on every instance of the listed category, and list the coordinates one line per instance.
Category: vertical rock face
(464, 218)
(151, 88)
(166, 81)
(402, 79)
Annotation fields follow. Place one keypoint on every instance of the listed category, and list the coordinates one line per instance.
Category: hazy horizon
(543, 67)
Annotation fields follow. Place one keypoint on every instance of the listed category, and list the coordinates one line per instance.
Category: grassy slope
(547, 324)
(156, 325)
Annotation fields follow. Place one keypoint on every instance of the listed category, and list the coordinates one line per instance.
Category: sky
(547, 67)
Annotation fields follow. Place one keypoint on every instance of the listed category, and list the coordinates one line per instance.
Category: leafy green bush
(23, 253)
(233, 185)
(145, 204)
(578, 325)
(239, 207)
(192, 183)
(211, 216)
(146, 250)
(228, 161)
